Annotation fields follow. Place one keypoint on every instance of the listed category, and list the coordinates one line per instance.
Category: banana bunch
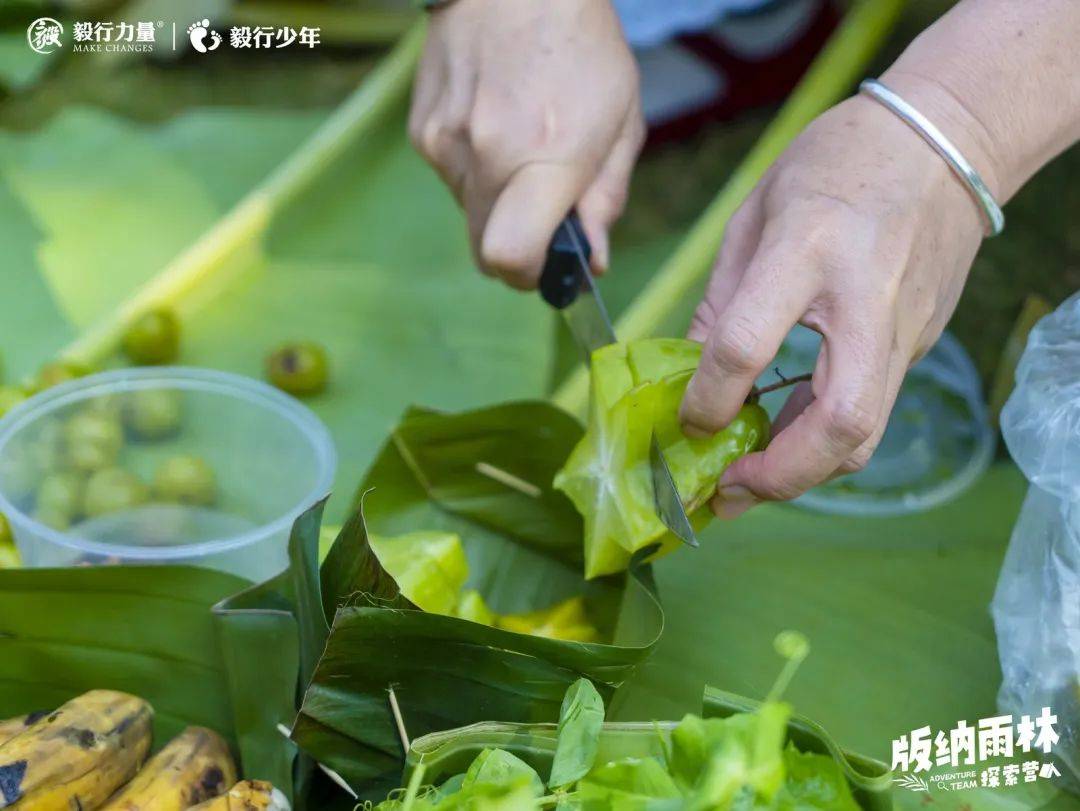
(91, 754)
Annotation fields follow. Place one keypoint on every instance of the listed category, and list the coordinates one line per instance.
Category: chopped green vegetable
(154, 338)
(636, 392)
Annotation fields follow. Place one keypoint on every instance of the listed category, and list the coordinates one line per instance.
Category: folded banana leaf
(447, 753)
(142, 630)
(485, 475)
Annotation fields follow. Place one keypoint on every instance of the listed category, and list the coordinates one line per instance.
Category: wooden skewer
(509, 479)
(396, 710)
(334, 776)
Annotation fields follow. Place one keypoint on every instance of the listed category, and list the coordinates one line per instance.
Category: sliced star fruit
(636, 390)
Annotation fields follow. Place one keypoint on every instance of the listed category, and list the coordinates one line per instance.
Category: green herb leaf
(580, 721)
(498, 767)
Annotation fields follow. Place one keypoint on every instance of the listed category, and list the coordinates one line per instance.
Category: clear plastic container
(84, 471)
(937, 444)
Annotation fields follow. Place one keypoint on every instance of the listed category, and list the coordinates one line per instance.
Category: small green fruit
(93, 440)
(300, 369)
(112, 490)
(59, 499)
(6, 537)
(9, 557)
(186, 480)
(153, 413)
(10, 396)
(154, 338)
(53, 374)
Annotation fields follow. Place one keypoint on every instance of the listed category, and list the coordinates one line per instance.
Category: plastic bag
(1036, 607)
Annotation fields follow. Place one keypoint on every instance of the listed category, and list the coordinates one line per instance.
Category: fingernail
(733, 500)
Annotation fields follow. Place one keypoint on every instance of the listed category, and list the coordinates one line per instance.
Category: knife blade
(567, 284)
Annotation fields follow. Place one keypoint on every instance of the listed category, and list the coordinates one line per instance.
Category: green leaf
(522, 541)
(580, 719)
(633, 784)
(813, 781)
(150, 632)
(636, 389)
(499, 767)
(870, 780)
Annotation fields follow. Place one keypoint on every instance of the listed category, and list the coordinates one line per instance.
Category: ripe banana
(194, 767)
(247, 795)
(13, 726)
(75, 757)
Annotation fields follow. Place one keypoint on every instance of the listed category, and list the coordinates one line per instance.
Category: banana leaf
(147, 631)
(486, 476)
(444, 754)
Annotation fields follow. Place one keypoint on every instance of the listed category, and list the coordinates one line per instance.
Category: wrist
(944, 107)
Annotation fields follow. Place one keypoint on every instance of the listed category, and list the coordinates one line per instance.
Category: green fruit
(153, 413)
(9, 557)
(10, 396)
(299, 369)
(93, 440)
(53, 374)
(6, 538)
(59, 499)
(112, 490)
(154, 338)
(186, 480)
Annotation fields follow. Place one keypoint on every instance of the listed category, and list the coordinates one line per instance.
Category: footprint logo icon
(198, 32)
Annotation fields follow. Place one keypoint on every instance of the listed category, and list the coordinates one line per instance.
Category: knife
(567, 284)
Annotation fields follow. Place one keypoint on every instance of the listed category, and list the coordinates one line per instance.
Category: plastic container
(937, 444)
(270, 459)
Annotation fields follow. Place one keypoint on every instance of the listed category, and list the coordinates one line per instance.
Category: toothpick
(509, 479)
(334, 776)
(396, 710)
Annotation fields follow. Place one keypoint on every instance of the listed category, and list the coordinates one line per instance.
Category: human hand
(527, 109)
(861, 233)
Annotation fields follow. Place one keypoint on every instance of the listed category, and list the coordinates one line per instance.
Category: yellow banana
(247, 795)
(13, 726)
(75, 757)
(194, 767)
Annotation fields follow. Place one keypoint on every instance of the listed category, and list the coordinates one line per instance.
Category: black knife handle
(560, 281)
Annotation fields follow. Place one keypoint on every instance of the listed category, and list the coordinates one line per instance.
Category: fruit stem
(782, 383)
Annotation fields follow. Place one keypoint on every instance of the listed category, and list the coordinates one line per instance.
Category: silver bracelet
(944, 147)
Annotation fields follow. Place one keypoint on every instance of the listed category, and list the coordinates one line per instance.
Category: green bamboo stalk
(244, 225)
(827, 80)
